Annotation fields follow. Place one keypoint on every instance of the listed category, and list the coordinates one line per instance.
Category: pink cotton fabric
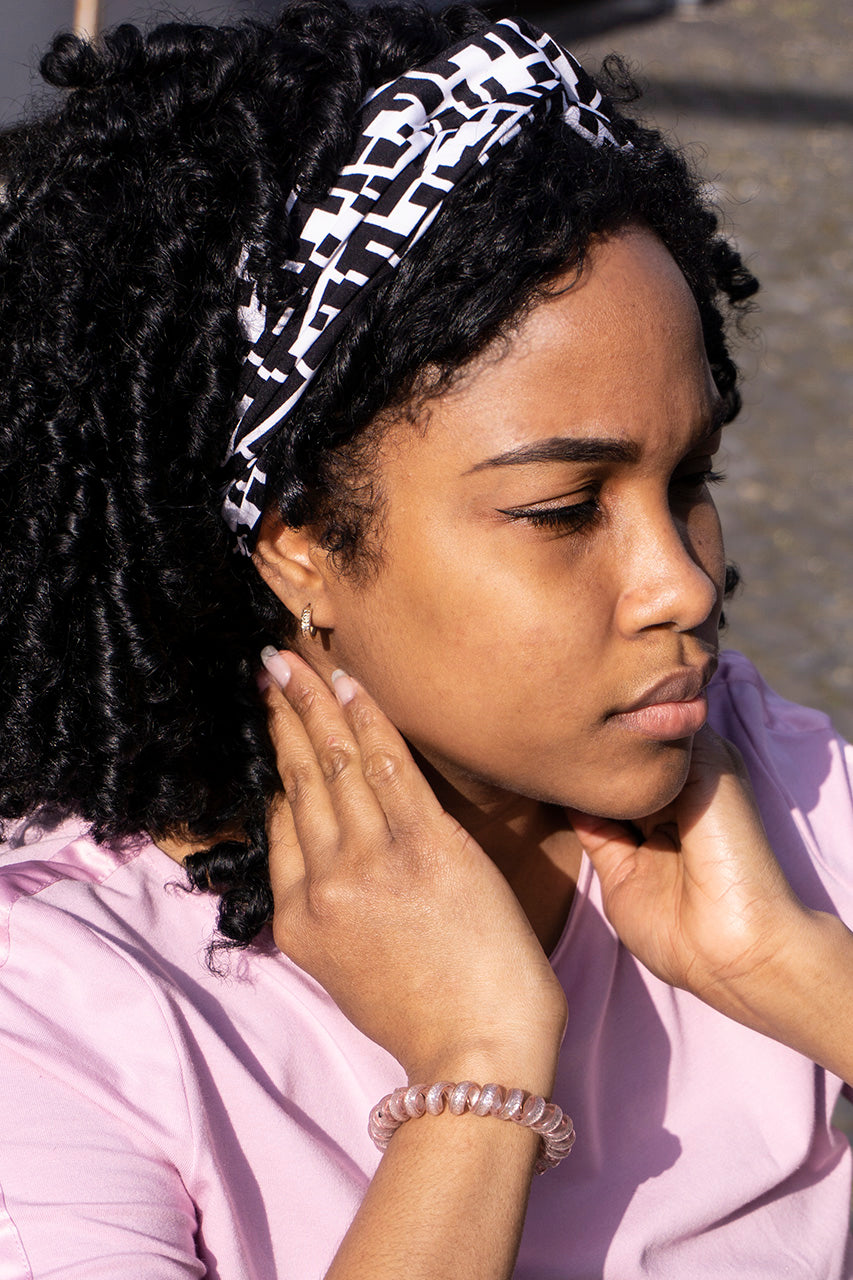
(158, 1122)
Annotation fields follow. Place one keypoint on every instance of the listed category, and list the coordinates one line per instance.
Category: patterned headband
(420, 135)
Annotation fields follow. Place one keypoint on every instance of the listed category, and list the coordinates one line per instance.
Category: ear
(295, 568)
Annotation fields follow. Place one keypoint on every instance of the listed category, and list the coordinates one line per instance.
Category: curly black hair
(129, 629)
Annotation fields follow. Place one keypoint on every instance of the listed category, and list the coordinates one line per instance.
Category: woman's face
(546, 612)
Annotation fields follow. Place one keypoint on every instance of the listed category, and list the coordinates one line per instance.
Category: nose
(671, 569)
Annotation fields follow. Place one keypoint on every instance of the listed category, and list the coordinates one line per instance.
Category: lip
(674, 707)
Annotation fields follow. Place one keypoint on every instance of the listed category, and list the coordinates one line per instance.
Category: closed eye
(567, 519)
(696, 479)
(581, 516)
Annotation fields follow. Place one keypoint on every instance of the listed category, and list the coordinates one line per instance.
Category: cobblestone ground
(759, 91)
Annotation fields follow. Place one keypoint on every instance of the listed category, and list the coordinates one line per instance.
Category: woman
(480, 319)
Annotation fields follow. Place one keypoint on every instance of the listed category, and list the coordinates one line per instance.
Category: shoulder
(60, 878)
(85, 931)
(105, 943)
(38, 862)
(87, 1025)
(794, 748)
(801, 770)
(740, 692)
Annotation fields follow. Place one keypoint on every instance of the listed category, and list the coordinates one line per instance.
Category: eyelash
(572, 519)
(580, 516)
(698, 478)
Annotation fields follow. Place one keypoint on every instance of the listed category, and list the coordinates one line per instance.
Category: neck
(530, 842)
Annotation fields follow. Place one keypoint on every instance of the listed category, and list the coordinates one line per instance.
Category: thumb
(611, 846)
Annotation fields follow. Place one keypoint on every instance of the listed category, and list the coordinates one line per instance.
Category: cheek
(705, 540)
(503, 677)
(500, 627)
(481, 659)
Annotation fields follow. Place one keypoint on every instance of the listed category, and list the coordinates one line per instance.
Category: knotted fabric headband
(419, 136)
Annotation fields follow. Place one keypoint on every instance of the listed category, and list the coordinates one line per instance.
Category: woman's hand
(391, 905)
(696, 893)
(418, 938)
(695, 890)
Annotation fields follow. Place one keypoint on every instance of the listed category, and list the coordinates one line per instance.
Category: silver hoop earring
(306, 626)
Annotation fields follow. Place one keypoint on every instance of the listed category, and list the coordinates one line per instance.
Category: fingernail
(345, 687)
(263, 681)
(276, 665)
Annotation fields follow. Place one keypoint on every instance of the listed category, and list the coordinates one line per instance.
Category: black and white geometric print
(420, 135)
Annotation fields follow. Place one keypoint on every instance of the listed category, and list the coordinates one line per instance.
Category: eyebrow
(585, 450)
(563, 449)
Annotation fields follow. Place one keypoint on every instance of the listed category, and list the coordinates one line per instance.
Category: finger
(309, 803)
(360, 821)
(611, 846)
(337, 749)
(287, 864)
(407, 800)
(718, 787)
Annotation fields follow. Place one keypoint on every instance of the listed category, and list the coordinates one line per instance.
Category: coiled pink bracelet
(555, 1128)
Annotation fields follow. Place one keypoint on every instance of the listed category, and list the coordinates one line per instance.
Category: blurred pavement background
(759, 92)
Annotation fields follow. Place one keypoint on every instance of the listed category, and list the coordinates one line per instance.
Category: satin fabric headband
(420, 135)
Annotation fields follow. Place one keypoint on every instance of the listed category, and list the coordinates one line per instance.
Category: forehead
(615, 352)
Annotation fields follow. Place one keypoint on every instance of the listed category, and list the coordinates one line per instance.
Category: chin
(629, 793)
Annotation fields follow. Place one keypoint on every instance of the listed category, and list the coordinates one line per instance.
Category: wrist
(553, 1126)
(790, 994)
(516, 1068)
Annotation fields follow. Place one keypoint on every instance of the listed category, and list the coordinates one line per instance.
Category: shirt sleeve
(92, 1115)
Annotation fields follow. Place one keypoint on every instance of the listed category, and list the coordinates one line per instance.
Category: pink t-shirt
(159, 1122)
